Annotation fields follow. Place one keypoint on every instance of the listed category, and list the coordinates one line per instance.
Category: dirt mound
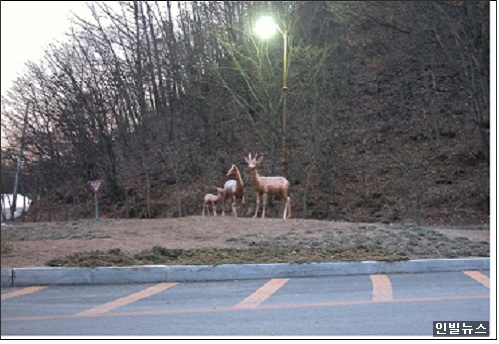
(222, 240)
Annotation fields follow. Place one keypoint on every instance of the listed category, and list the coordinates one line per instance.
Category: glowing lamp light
(265, 27)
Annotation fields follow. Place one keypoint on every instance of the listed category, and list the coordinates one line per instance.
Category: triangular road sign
(96, 185)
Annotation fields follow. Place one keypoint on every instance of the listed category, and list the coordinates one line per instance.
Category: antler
(254, 159)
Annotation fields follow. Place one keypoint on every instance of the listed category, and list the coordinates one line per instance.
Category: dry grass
(225, 240)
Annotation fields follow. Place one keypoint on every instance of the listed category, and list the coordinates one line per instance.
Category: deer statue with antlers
(213, 200)
(274, 186)
(234, 189)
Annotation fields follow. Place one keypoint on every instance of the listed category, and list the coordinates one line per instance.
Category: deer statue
(274, 186)
(234, 189)
(213, 200)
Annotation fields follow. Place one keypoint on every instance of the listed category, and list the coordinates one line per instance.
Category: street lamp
(265, 28)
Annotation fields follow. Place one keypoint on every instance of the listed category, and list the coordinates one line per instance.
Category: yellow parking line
(382, 288)
(126, 300)
(262, 294)
(265, 307)
(478, 276)
(24, 291)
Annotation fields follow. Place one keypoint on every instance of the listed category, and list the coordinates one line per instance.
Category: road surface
(363, 305)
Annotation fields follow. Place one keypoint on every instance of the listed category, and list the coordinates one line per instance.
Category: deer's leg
(241, 205)
(289, 207)
(257, 204)
(214, 206)
(264, 204)
(223, 204)
(234, 210)
(285, 201)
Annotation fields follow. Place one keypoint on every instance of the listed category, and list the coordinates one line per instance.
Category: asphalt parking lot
(400, 304)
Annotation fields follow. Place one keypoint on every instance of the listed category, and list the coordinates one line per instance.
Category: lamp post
(265, 28)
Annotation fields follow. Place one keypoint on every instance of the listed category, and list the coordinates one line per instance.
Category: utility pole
(264, 28)
(19, 158)
(284, 105)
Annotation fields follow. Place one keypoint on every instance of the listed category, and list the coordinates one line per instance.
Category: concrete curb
(21, 277)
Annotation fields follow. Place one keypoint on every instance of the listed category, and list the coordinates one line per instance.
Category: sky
(28, 27)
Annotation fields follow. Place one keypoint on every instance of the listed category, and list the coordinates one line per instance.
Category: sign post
(96, 186)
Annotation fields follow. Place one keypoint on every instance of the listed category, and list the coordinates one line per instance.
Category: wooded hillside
(387, 110)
